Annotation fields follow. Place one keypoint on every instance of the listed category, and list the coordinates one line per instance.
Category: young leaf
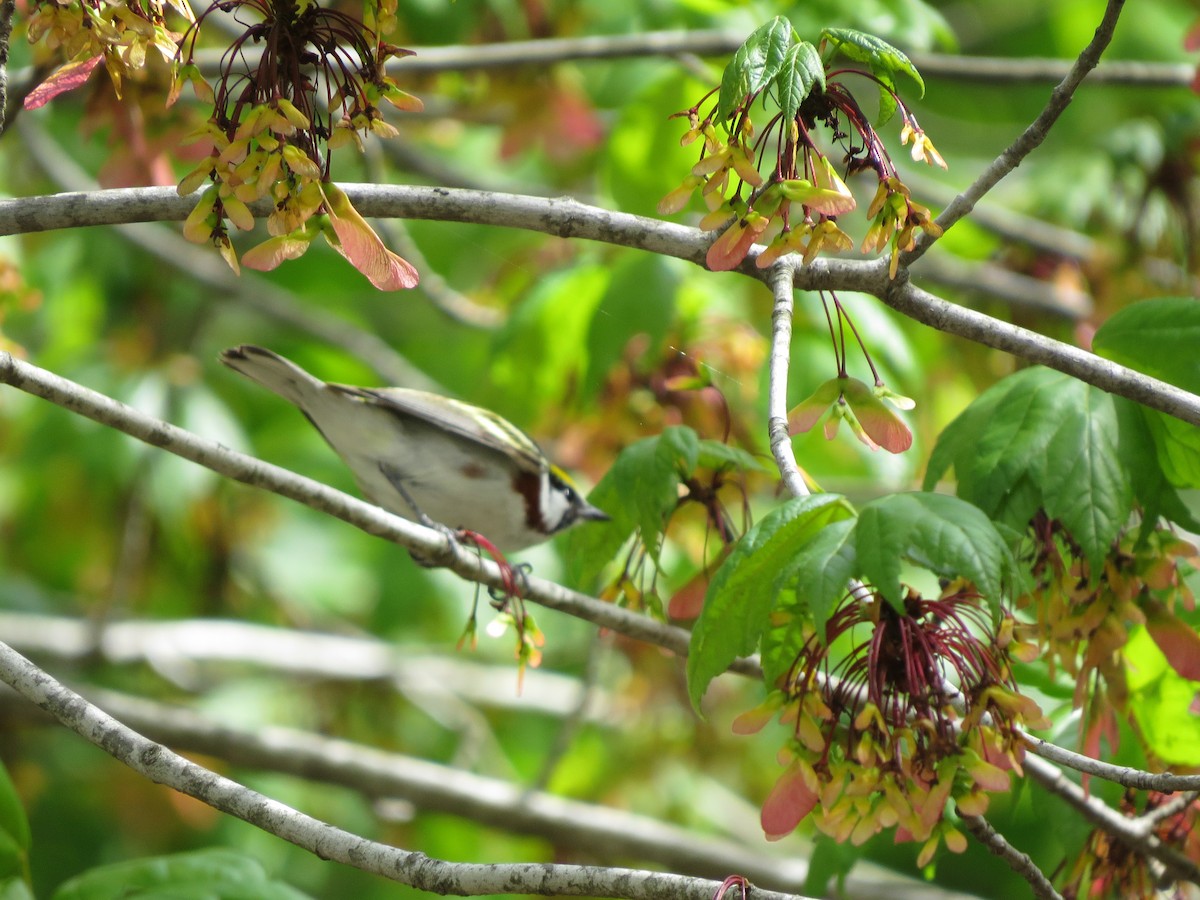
(884, 60)
(716, 455)
(802, 71)
(1003, 436)
(821, 571)
(1084, 485)
(1138, 453)
(754, 65)
(639, 491)
(743, 589)
(948, 536)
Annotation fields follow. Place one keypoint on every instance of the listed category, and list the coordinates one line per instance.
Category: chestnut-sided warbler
(421, 455)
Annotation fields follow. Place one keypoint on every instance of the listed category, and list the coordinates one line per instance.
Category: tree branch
(325, 841)
(179, 650)
(430, 544)
(722, 42)
(569, 824)
(1125, 776)
(982, 830)
(570, 219)
(1032, 136)
(1128, 832)
(777, 405)
(7, 9)
(922, 306)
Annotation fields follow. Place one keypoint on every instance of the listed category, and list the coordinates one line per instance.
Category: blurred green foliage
(97, 527)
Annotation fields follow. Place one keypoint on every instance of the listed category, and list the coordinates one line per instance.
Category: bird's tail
(276, 374)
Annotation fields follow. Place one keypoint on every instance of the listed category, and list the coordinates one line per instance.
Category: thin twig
(1032, 136)
(162, 766)
(1173, 807)
(981, 829)
(722, 42)
(777, 405)
(1125, 776)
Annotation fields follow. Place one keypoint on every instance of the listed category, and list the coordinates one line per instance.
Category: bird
(429, 458)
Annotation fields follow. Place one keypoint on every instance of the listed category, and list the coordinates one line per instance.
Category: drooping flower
(360, 245)
(922, 148)
(878, 735)
(850, 400)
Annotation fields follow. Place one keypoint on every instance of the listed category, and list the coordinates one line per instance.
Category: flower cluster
(1107, 868)
(272, 129)
(88, 31)
(803, 194)
(1082, 618)
(849, 400)
(921, 710)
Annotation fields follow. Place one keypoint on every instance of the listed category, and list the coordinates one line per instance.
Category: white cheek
(554, 506)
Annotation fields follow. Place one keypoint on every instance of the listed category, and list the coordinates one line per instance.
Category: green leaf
(955, 445)
(1177, 446)
(784, 636)
(822, 570)
(716, 455)
(1158, 337)
(213, 874)
(802, 70)
(946, 535)
(680, 447)
(639, 491)
(14, 831)
(1084, 485)
(1160, 698)
(1003, 436)
(884, 59)
(754, 65)
(743, 590)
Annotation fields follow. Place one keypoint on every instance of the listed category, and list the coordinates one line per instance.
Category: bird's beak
(589, 513)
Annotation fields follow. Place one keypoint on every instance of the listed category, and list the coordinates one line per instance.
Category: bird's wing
(469, 422)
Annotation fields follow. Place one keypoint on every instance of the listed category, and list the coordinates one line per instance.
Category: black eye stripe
(557, 483)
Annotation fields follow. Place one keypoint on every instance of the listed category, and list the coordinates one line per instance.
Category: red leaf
(882, 425)
(358, 242)
(1191, 40)
(789, 802)
(688, 601)
(731, 247)
(65, 78)
(272, 252)
(1177, 640)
